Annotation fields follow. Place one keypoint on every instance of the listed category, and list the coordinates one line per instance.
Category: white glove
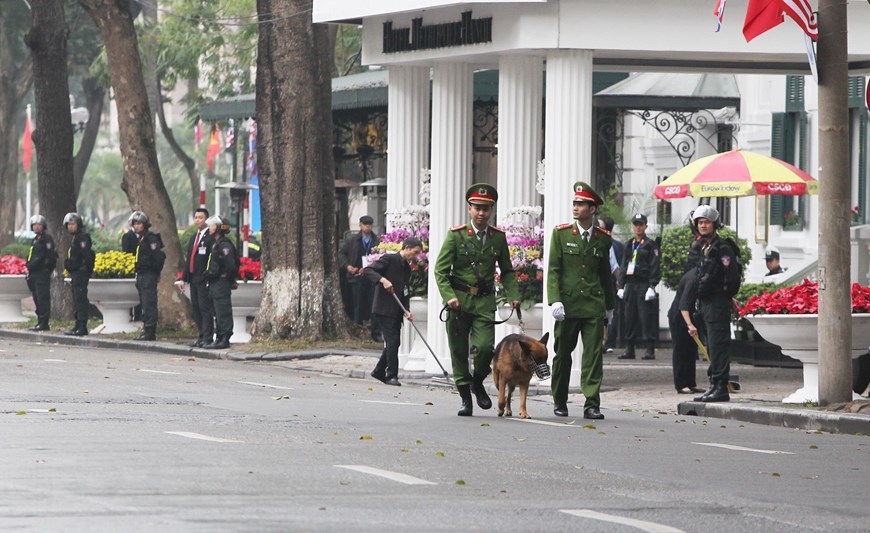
(619, 293)
(608, 315)
(650, 294)
(559, 311)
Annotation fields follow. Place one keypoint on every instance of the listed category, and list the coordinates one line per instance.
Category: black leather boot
(42, 325)
(73, 330)
(719, 393)
(220, 343)
(148, 334)
(628, 353)
(479, 391)
(82, 329)
(650, 353)
(467, 407)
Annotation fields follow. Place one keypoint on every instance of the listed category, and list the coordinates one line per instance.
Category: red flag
(26, 146)
(802, 13)
(761, 15)
(214, 148)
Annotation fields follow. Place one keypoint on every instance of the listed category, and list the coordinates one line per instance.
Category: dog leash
(459, 313)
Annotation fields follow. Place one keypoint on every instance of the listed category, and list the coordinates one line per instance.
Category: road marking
(39, 410)
(393, 476)
(55, 360)
(266, 385)
(157, 371)
(741, 448)
(542, 422)
(200, 436)
(643, 525)
(390, 403)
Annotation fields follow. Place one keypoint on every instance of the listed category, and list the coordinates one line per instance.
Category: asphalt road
(102, 440)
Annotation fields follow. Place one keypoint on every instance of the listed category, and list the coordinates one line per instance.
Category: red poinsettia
(800, 299)
(249, 269)
(10, 264)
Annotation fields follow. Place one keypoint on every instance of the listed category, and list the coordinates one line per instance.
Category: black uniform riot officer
(41, 261)
(149, 262)
(639, 274)
(79, 263)
(221, 271)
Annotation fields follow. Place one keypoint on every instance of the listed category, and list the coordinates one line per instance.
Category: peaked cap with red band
(481, 193)
(584, 193)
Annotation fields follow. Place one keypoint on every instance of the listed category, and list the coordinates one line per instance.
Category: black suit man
(351, 255)
(198, 250)
(390, 274)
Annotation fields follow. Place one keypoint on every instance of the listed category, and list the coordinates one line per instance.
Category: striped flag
(26, 144)
(719, 13)
(802, 13)
(197, 134)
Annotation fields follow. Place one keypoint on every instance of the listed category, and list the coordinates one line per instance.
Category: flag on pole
(802, 13)
(231, 135)
(761, 15)
(197, 134)
(26, 144)
(719, 13)
(214, 148)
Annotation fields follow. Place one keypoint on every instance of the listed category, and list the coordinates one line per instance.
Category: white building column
(452, 85)
(567, 151)
(520, 101)
(407, 133)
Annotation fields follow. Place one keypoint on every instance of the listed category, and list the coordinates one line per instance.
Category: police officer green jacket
(463, 257)
(579, 272)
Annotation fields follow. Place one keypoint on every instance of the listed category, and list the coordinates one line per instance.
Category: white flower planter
(413, 352)
(114, 298)
(246, 301)
(797, 336)
(13, 288)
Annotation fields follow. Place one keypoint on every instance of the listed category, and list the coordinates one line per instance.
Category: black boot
(41, 325)
(73, 330)
(148, 334)
(650, 352)
(222, 342)
(719, 393)
(467, 407)
(629, 352)
(82, 329)
(479, 391)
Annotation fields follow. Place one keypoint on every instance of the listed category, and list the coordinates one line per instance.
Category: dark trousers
(639, 315)
(615, 325)
(39, 284)
(591, 363)
(718, 346)
(391, 328)
(220, 291)
(363, 294)
(685, 353)
(146, 284)
(203, 311)
(79, 286)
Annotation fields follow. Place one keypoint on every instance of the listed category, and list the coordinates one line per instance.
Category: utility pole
(835, 301)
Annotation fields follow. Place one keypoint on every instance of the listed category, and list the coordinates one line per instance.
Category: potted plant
(13, 288)
(246, 297)
(112, 289)
(788, 317)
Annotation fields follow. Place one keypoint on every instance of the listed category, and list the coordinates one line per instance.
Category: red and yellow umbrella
(736, 173)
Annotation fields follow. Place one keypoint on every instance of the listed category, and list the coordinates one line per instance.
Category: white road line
(200, 436)
(643, 525)
(543, 422)
(741, 448)
(266, 385)
(393, 476)
(390, 403)
(39, 410)
(55, 360)
(157, 371)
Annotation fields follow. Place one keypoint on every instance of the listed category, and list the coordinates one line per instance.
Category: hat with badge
(772, 252)
(638, 218)
(481, 193)
(584, 193)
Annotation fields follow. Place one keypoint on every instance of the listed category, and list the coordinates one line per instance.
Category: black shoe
(479, 391)
(593, 413)
(626, 355)
(467, 407)
(41, 326)
(220, 344)
(148, 334)
(80, 329)
(393, 381)
(649, 355)
(719, 393)
(378, 376)
(73, 331)
(560, 410)
(198, 344)
(378, 339)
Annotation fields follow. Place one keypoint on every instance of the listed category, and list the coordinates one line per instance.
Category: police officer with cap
(41, 260)
(221, 271)
(79, 263)
(580, 291)
(639, 274)
(464, 273)
(149, 262)
(771, 258)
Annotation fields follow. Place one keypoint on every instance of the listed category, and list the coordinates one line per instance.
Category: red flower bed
(10, 264)
(249, 269)
(800, 299)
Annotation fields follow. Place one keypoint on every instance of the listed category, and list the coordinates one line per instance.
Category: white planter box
(114, 298)
(13, 288)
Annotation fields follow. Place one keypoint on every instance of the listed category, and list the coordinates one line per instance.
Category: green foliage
(748, 290)
(17, 249)
(676, 242)
(104, 239)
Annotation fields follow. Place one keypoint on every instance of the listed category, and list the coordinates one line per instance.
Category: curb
(789, 418)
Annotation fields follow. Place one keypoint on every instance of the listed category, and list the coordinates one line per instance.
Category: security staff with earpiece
(79, 263)
(221, 271)
(41, 260)
(639, 275)
(149, 262)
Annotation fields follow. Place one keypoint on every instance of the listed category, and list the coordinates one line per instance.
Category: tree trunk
(52, 136)
(15, 82)
(301, 296)
(95, 96)
(142, 181)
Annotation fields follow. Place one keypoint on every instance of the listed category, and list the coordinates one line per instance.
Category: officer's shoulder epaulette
(498, 229)
(602, 230)
(567, 225)
(458, 228)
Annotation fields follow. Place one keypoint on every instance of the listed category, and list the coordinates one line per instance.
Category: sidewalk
(637, 385)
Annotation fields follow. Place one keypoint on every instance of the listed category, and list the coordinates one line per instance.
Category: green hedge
(676, 242)
(17, 249)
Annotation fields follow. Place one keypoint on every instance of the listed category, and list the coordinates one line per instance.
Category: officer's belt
(473, 290)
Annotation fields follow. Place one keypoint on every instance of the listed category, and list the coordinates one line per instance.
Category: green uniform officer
(465, 274)
(221, 273)
(580, 290)
(79, 263)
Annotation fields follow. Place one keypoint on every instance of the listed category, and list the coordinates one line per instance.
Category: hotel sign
(419, 37)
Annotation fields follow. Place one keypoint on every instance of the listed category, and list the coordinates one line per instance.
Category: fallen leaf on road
(485, 425)
(460, 482)
(439, 454)
(589, 426)
(280, 397)
(366, 437)
(405, 450)
(19, 413)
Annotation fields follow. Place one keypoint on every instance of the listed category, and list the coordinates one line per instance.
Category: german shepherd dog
(513, 364)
